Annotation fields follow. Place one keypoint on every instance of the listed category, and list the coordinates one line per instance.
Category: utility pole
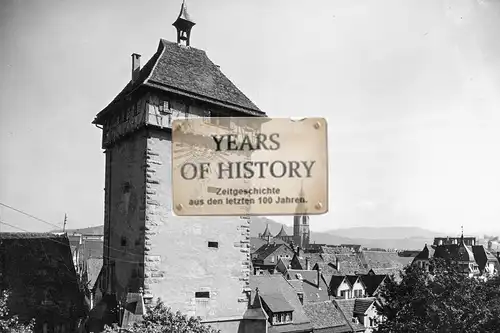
(65, 220)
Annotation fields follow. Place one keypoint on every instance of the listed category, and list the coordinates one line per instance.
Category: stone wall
(125, 233)
(149, 247)
(179, 262)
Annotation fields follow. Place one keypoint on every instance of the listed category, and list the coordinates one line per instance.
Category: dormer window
(281, 318)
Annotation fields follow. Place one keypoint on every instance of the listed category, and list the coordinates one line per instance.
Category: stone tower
(199, 266)
(301, 233)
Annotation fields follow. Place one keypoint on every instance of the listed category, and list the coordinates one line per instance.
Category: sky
(410, 90)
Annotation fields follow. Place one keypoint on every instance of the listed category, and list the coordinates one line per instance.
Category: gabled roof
(325, 315)
(426, 253)
(347, 308)
(372, 282)
(277, 285)
(94, 266)
(276, 303)
(362, 304)
(267, 250)
(336, 280)
(382, 260)
(189, 72)
(484, 257)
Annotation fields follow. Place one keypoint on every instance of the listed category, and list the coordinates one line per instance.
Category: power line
(29, 215)
(58, 242)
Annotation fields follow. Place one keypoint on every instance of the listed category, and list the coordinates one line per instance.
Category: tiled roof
(256, 243)
(426, 253)
(454, 251)
(336, 280)
(380, 259)
(267, 250)
(276, 302)
(94, 266)
(362, 304)
(347, 308)
(310, 285)
(483, 257)
(297, 285)
(336, 249)
(30, 235)
(186, 71)
(313, 259)
(277, 284)
(372, 282)
(324, 315)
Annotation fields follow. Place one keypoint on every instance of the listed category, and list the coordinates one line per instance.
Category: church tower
(301, 233)
(197, 265)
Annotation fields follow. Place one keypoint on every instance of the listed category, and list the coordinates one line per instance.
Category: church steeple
(184, 24)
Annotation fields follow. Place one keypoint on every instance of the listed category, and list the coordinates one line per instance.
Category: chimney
(337, 264)
(308, 266)
(136, 66)
(319, 275)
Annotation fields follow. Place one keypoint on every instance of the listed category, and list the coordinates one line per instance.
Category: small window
(214, 245)
(123, 241)
(202, 294)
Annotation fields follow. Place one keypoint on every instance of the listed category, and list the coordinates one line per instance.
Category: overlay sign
(249, 166)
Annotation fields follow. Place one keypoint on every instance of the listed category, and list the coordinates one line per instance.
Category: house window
(202, 294)
(206, 116)
(214, 245)
(301, 298)
(344, 293)
(123, 241)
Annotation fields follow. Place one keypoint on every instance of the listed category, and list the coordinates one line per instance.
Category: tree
(10, 323)
(439, 300)
(160, 319)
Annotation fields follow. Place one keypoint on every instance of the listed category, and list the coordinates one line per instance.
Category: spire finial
(462, 232)
(184, 24)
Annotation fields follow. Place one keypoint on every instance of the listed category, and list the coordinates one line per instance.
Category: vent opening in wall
(202, 294)
(126, 187)
(214, 245)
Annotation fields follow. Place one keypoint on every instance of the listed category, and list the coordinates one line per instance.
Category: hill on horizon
(408, 238)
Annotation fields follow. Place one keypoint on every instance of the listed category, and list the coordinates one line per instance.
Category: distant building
(37, 269)
(267, 256)
(473, 260)
(301, 233)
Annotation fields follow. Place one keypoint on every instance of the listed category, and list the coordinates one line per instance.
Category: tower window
(202, 294)
(214, 245)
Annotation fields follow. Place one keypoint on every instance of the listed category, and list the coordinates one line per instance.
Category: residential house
(326, 318)
(361, 313)
(281, 304)
(38, 270)
(473, 260)
(373, 283)
(283, 265)
(358, 289)
(487, 262)
(340, 286)
(268, 255)
(257, 242)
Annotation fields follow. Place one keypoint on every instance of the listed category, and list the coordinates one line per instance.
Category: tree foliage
(10, 323)
(439, 300)
(160, 319)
